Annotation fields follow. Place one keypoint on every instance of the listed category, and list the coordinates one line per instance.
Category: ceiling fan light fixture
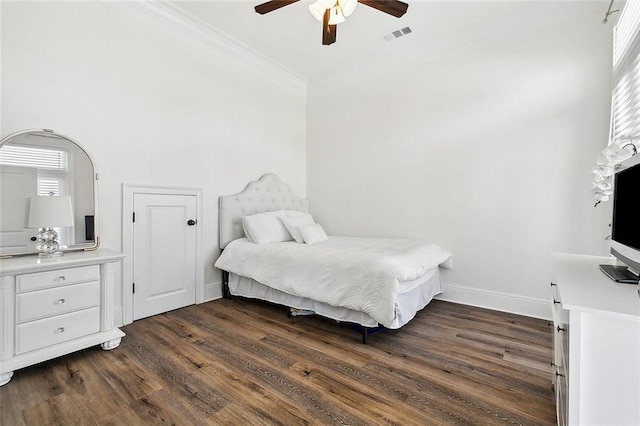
(318, 7)
(333, 12)
(328, 4)
(336, 16)
(347, 6)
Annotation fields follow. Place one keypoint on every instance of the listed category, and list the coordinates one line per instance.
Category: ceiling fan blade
(270, 6)
(328, 31)
(392, 7)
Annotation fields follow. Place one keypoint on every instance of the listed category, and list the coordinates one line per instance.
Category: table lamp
(46, 213)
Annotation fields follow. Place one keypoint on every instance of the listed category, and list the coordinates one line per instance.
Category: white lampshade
(50, 212)
(336, 16)
(318, 7)
(327, 4)
(317, 10)
(347, 6)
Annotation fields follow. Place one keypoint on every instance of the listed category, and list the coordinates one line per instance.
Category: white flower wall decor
(608, 161)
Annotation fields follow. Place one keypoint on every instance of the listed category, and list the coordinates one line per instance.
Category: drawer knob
(61, 301)
(61, 278)
(61, 330)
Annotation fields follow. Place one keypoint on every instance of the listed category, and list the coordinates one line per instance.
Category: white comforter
(362, 274)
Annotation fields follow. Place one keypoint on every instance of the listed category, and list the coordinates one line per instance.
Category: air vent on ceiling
(398, 33)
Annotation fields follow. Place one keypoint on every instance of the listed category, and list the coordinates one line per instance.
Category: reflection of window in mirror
(52, 168)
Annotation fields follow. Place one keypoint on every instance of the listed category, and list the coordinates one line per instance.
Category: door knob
(191, 222)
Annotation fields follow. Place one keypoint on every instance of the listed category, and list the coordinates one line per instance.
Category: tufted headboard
(265, 194)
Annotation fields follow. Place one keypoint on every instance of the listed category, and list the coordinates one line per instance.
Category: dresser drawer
(49, 331)
(39, 280)
(55, 301)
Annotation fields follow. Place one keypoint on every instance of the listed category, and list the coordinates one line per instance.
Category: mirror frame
(96, 234)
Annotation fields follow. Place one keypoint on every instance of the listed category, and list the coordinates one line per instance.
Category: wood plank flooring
(244, 362)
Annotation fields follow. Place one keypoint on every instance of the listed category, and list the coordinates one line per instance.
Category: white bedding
(362, 274)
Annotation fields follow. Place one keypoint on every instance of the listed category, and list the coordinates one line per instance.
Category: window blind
(48, 186)
(626, 30)
(51, 164)
(40, 158)
(625, 106)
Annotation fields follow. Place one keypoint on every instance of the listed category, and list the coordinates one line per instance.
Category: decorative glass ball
(47, 241)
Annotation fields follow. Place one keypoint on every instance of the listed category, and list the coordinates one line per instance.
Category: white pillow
(294, 213)
(313, 233)
(294, 223)
(265, 227)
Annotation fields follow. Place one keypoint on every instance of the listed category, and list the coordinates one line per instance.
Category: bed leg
(365, 332)
(225, 285)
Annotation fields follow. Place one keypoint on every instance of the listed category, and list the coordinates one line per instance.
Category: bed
(372, 282)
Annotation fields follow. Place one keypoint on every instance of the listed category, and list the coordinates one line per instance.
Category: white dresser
(596, 344)
(54, 306)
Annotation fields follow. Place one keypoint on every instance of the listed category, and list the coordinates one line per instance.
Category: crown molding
(196, 30)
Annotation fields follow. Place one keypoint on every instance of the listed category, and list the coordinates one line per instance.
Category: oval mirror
(40, 163)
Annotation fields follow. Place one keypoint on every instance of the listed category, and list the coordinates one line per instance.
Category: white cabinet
(596, 344)
(54, 306)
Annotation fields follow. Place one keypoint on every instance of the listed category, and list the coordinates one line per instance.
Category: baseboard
(503, 302)
(213, 291)
(497, 301)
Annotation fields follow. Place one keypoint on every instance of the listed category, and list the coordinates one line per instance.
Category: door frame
(128, 193)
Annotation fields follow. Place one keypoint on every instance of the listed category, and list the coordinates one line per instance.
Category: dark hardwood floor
(244, 362)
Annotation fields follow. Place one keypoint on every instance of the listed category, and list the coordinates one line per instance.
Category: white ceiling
(291, 37)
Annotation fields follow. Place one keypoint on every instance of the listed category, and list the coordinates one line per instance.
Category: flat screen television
(625, 223)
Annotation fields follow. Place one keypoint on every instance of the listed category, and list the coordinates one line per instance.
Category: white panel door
(17, 185)
(164, 253)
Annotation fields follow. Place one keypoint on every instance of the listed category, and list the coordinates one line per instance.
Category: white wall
(486, 151)
(150, 107)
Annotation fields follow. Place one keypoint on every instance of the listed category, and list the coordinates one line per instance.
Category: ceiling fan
(333, 12)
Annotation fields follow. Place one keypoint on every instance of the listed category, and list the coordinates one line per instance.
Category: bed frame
(266, 194)
(269, 193)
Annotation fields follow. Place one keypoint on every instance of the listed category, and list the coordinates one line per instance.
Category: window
(625, 101)
(625, 121)
(52, 171)
(52, 165)
(26, 156)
